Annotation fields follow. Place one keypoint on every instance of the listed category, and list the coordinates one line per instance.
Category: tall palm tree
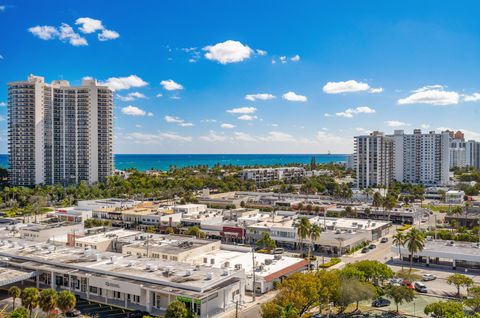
(48, 300)
(415, 242)
(14, 292)
(30, 298)
(399, 240)
(66, 301)
(303, 229)
(315, 231)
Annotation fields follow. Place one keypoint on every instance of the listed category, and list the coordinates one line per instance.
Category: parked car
(372, 246)
(407, 284)
(384, 240)
(73, 313)
(381, 302)
(396, 282)
(428, 277)
(365, 250)
(420, 287)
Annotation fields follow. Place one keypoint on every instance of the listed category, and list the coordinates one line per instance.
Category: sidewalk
(250, 306)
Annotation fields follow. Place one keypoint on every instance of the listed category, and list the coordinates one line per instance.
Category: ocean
(163, 162)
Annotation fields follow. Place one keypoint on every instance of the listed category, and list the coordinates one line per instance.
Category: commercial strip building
(449, 253)
(59, 134)
(338, 236)
(126, 281)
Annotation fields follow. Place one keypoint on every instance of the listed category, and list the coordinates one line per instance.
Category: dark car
(136, 314)
(73, 313)
(384, 240)
(365, 250)
(381, 302)
(372, 246)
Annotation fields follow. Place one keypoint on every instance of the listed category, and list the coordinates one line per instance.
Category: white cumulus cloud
(131, 96)
(260, 96)
(171, 85)
(475, 97)
(261, 52)
(68, 34)
(213, 137)
(295, 58)
(293, 97)
(247, 117)
(241, 136)
(278, 136)
(432, 95)
(242, 110)
(349, 86)
(396, 123)
(89, 25)
(227, 126)
(119, 83)
(228, 52)
(177, 120)
(133, 111)
(44, 32)
(107, 35)
(350, 112)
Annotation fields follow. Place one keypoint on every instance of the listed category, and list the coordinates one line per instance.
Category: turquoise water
(163, 162)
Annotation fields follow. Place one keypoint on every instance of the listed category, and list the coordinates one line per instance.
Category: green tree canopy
(459, 281)
(176, 309)
(445, 309)
(400, 294)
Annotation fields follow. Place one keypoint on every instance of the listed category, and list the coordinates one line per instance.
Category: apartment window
(93, 290)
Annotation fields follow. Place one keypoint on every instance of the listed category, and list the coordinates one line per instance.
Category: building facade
(421, 157)
(373, 160)
(59, 134)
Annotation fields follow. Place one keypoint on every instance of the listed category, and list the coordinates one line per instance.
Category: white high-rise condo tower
(59, 134)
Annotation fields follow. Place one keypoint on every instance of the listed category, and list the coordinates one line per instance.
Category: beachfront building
(422, 158)
(373, 160)
(59, 134)
(261, 175)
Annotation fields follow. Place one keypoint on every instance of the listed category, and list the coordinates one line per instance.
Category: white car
(428, 277)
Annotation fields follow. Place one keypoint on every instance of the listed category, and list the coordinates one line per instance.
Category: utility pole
(236, 308)
(253, 271)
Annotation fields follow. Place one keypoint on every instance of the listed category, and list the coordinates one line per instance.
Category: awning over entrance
(10, 275)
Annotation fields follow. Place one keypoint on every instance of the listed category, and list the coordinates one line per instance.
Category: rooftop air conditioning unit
(209, 276)
(268, 261)
(277, 257)
(188, 272)
(225, 272)
(238, 266)
(226, 264)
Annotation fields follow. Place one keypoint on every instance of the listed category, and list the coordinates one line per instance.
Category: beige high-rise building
(59, 134)
(373, 160)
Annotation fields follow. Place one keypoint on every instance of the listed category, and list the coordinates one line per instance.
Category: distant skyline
(254, 77)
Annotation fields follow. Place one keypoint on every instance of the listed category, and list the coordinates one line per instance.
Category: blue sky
(318, 72)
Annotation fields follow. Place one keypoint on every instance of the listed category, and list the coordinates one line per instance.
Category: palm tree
(377, 200)
(399, 240)
(30, 297)
(389, 203)
(66, 301)
(415, 241)
(48, 300)
(14, 292)
(315, 231)
(303, 229)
